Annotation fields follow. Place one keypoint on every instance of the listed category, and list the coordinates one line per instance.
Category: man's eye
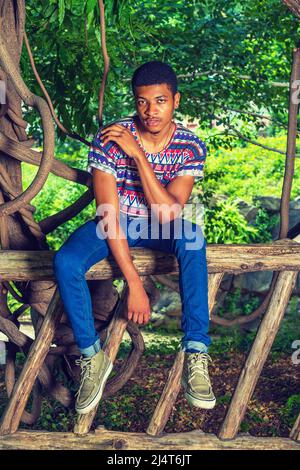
(161, 100)
(141, 102)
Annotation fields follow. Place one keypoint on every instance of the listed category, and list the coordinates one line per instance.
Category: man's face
(155, 106)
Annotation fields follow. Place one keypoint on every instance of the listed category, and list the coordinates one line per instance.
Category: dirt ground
(269, 412)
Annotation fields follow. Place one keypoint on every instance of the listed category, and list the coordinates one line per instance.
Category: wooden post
(258, 354)
(167, 399)
(214, 281)
(111, 346)
(170, 392)
(36, 356)
(295, 432)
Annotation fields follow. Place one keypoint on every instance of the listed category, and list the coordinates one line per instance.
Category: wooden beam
(111, 346)
(169, 395)
(168, 398)
(294, 6)
(36, 356)
(279, 256)
(258, 354)
(295, 432)
(102, 439)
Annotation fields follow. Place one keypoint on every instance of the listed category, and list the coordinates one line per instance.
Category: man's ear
(176, 99)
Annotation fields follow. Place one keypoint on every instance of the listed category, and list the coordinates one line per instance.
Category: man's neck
(155, 140)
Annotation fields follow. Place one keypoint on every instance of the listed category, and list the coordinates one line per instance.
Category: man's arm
(105, 190)
(176, 194)
(178, 191)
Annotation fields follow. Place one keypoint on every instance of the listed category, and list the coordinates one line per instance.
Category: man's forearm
(118, 245)
(154, 192)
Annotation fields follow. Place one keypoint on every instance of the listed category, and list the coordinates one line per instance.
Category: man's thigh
(84, 247)
(166, 237)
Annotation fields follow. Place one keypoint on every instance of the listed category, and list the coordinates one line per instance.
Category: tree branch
(239, 134)
(106, 62)
(48, 132)
(20, 152)
(73, 135)
(294, 6)
(50, 223)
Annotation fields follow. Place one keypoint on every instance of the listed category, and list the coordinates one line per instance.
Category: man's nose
(151, 108)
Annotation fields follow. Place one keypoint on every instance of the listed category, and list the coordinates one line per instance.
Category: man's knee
(189, 236)
(67, 263)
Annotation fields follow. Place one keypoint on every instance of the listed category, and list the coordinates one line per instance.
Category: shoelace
(197, 362)
(86, 368)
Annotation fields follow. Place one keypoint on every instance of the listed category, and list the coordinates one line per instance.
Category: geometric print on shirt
(184, 154)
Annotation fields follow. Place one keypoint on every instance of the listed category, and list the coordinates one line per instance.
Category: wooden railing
(282, 256)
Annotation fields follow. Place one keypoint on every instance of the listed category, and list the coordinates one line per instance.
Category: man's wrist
(134, 281)
(139, 155)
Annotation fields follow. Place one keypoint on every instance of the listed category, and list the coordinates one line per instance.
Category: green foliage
(289, 329)
(160, 341)
(226, 340)
(249, 172)
(264, 223)
(224, 224)
(291, 410)
(227, 59)
(224, 399)
(238, 303)
(118, 414)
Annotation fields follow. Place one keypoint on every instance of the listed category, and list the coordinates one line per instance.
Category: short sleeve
(99, 157)
(194, 160)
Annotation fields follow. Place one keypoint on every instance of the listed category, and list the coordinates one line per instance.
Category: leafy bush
(291, 410)
(250, 171)
(225, 224)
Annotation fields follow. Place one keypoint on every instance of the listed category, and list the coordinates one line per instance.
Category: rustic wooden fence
(282, 257)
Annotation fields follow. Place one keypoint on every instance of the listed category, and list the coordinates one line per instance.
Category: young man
(143, 170)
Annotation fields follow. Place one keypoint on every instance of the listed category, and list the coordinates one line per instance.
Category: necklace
(140, 136)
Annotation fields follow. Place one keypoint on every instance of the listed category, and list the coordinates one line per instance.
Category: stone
(294, 219)
(255, 282)
(269, 203)
(247, 210)
(295, 204)
(169, 301)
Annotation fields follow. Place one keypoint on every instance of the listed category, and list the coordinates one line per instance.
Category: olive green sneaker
(94, 374)
(196, 382)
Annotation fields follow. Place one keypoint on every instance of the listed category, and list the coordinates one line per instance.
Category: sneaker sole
(198, 403)
(97, 398)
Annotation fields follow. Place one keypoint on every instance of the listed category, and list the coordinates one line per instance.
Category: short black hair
(154, 73)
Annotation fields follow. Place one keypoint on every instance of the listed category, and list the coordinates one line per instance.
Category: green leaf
(61, 11)
(90, 5)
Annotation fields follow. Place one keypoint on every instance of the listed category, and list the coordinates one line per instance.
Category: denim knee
(66, 264)
(191, 238)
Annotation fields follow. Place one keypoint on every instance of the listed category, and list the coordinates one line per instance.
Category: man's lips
(152, 122)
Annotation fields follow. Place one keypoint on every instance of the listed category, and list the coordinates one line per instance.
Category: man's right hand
(138, 305)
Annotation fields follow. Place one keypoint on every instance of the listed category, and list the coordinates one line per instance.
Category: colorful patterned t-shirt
(184, 155)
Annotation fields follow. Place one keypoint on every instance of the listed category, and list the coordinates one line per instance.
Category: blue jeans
(86, 247)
